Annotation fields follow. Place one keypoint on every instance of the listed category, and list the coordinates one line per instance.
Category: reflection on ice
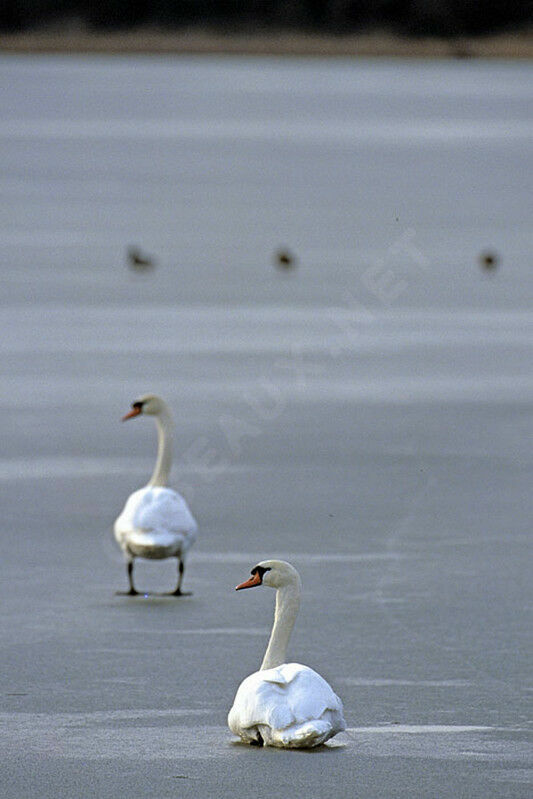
(165, 735)
(379, 683)
(297, 133)
(80, 467)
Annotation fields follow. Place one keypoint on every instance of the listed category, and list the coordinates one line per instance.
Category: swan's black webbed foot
(179, 592)
(258, 741)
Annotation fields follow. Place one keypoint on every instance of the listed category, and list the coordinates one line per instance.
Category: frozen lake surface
(367, 416)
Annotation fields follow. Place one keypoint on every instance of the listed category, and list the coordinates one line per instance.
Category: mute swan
(284, 704)
(156, 522)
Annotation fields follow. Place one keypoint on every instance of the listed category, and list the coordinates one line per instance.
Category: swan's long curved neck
(163, 463)
(287, 607)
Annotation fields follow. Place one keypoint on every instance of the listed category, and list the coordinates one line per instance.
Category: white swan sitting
(156, 522)
(284, 704)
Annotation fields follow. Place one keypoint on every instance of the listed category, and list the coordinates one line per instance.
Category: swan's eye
(137, 406)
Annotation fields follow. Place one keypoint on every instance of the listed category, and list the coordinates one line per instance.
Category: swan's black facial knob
(260, 570)
(256, 578)
(136, 409)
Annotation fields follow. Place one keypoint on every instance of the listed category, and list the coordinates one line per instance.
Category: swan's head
(274, 573)
(150, 404)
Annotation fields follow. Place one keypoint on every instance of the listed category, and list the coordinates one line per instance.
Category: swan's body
(284, 704)
(291, 706)
(156, 522)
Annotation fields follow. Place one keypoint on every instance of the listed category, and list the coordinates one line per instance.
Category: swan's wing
(310, 696)
(275, 676)
(156, 517)
(124, 524)
(284, 698)
(164, 509)
(258, 702)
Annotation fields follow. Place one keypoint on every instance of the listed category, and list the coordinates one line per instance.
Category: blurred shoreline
(204, 42)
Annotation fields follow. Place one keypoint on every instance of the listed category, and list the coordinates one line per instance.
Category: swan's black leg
(181, 569)
(258, 741)
(129, 567)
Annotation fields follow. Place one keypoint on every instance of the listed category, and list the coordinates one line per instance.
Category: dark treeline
(420, 17)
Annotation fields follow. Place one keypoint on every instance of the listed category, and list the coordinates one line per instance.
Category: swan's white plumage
(155, 523)
(289, 706)
(284, 704)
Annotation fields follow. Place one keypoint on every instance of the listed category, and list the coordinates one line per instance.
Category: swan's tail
(305, 735)
(154, 545)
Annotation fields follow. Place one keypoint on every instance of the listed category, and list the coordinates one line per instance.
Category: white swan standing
(156, 522)
(284, 704)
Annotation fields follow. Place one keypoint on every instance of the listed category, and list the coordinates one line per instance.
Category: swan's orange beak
(131, 414)
(255, 579)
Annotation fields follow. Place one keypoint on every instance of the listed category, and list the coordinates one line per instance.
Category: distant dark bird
(284, 259)
(461, 50)
(488, 260)
(139, 260)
